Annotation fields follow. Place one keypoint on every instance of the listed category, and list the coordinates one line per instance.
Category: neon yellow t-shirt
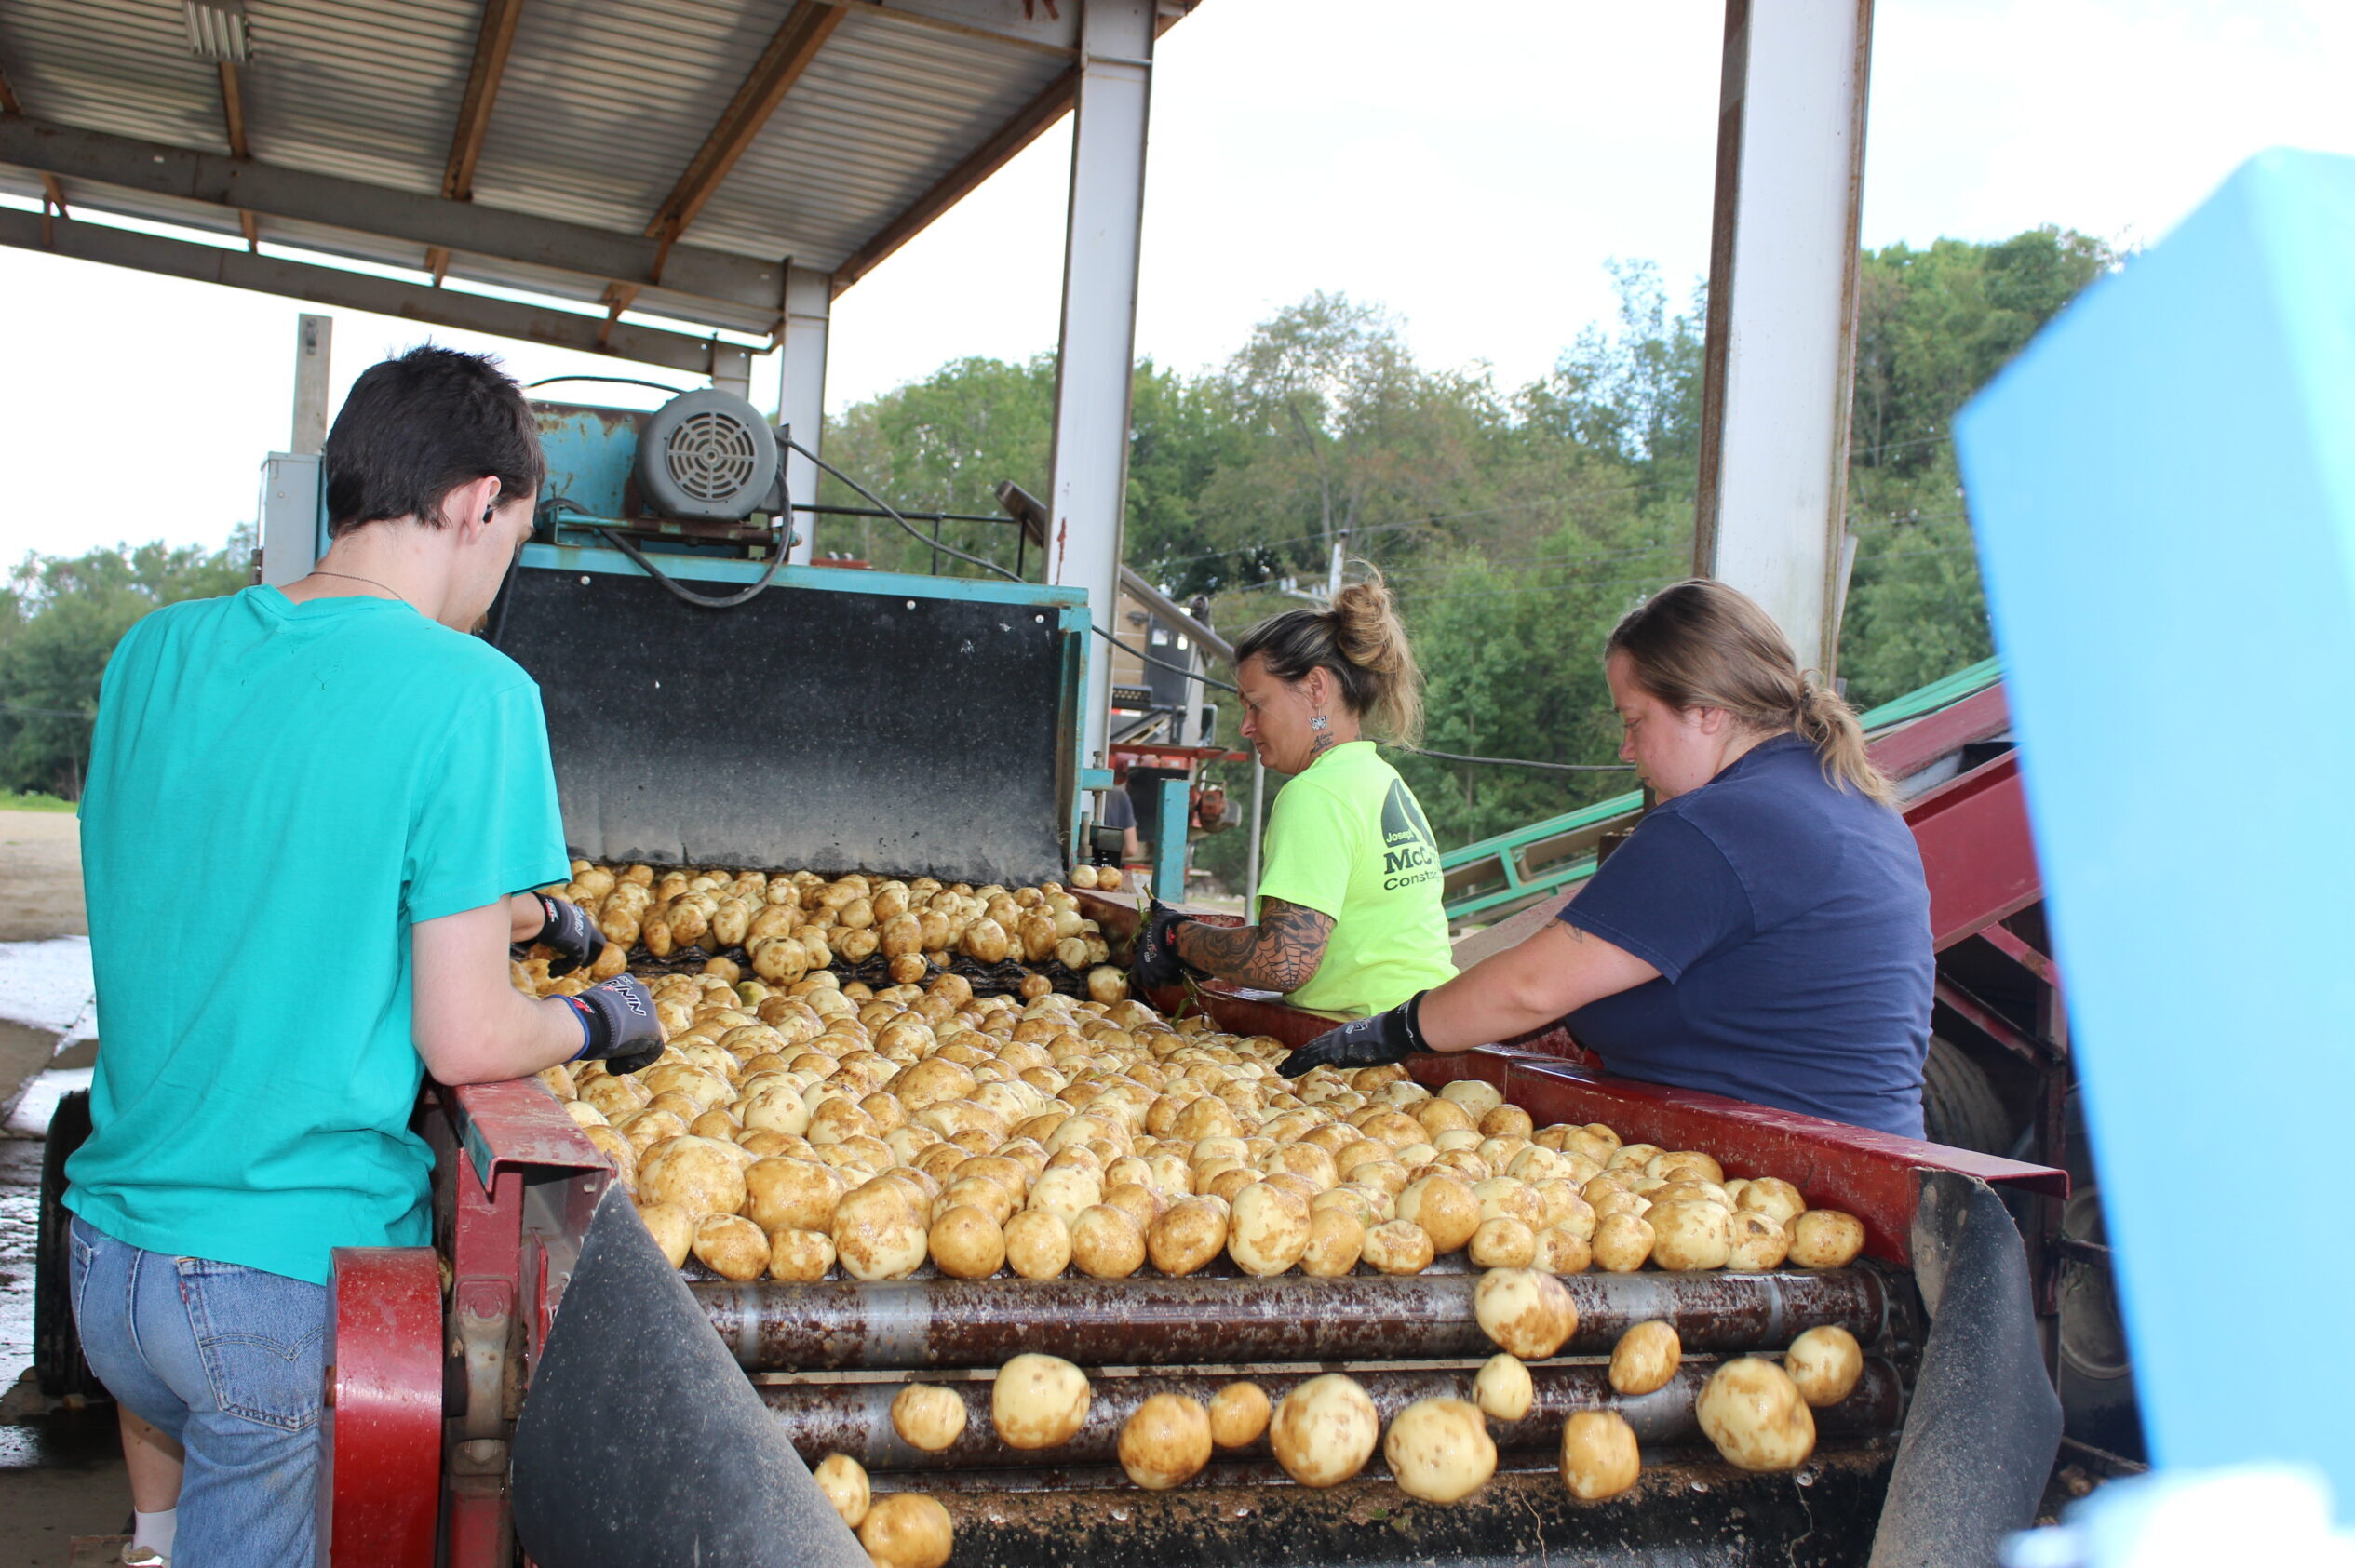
(1348, 840)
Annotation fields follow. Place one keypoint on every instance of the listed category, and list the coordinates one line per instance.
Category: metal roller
(855, 1418)
(1150, 1321)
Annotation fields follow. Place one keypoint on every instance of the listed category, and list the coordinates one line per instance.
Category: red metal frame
(1910, 747)
(381, 1472)
(1976, 850)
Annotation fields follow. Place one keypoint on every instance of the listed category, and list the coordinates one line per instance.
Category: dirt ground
(40, 875)
(60, 1472)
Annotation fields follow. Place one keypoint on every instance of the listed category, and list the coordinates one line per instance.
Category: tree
(60, 620)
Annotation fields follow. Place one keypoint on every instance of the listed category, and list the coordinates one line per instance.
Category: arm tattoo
(1281, 953)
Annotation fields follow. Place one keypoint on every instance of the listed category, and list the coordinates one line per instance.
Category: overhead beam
(755, 286)
(806, 28)
(493, 40)
(12, 104)
(331, 285)
(233, 124)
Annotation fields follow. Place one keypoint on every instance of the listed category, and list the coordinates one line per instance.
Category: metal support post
(1169, 840)
(1094, 365)
(1251, 857)
(1769, 513)
(314, 337)
(732, 370)
(809, 303)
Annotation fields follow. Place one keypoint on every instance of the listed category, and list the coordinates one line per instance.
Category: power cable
(893, 511)
(1517, 761)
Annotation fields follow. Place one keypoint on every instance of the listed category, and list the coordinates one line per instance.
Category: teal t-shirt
(277, 792)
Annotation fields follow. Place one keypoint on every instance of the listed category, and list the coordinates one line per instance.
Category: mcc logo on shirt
(1410, 855)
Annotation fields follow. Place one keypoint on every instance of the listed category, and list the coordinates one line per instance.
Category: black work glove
(571, 932)
(622, 1031)
(1156, 963)
(1363, 1042)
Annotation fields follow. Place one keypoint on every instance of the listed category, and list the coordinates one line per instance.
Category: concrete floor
(60, 1469)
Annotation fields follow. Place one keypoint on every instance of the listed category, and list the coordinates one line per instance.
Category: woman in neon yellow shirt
(1349, 920)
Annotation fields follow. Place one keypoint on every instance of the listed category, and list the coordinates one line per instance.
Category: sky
(1473, 170)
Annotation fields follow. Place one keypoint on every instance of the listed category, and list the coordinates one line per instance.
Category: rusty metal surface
(1150, 1321)
(1684, 1510)
(855, 1418)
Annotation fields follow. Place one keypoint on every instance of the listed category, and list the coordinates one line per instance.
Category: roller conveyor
(1150, 1321)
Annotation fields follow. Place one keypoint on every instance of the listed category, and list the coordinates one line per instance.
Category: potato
(928, 1417)
(1599, 1455)
(1622, 1242)
(1083, 875)
(1646, 1357)
(907, 1530)
(1772, 1195)
(1038, 1244)
(1823, 1364)
(1503, 1387)
(844, 1480)
(701, 1175)
(1691, 1236)
(1337, 1240)
(1323, 1431)
(1398, 1247)
(617, 1153)
(1268, 1229)
(772, 1103)
(1686, 1165)
(1820, 1238)
(672, 1227)
(1473, 1095)
(1038, 1402)
(1562, 1251)
(1444, 1209)
(800, 1257)
(1759, 1242)
(1238, 1414)
(1136, 1199)
(797, 1193)
(1106, 1243)
(1502, 1243)
(966, 1243)
(1439, 1449)
(1108, 879)
(647, 1126)
(732, 1248)
(879, 1241)
(1187, 1235)
(1166, 1442)
(1064, 1191)
(1752, 1411)
(1523, 1313)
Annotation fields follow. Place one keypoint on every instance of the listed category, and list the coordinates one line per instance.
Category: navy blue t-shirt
(1790, 924)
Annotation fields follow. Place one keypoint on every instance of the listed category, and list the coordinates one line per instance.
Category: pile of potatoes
(815, 1128)
(790, 925)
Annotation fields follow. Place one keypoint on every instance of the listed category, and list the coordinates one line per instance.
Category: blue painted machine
(709, 705)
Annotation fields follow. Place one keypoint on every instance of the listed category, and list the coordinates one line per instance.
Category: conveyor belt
(855, 1418)
(1150, 1321)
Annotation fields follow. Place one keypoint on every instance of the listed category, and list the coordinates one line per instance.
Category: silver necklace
(356, 576)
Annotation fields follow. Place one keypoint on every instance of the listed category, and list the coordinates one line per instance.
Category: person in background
(1764, 933)
(330, 796)
(1349, 918)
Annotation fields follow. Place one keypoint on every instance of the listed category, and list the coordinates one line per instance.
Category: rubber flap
(642, 1445)
(1985, 1422)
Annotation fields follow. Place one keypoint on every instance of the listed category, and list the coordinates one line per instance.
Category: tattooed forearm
(1279, 954)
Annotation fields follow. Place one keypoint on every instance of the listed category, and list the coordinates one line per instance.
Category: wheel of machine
(2092, 1336)
(1959, 1106)
(58, 1366)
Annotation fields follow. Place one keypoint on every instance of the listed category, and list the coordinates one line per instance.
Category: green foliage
(59, 619)
(14, 800)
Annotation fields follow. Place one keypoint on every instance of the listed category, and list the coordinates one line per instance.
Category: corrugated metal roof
(602, 106)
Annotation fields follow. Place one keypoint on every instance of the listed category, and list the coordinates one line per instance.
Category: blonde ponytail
(1699, 644)
(1361, 642)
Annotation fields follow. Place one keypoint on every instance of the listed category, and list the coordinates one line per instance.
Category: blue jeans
(227, 1360)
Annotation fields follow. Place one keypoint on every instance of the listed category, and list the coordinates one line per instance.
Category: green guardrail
(1507, 847)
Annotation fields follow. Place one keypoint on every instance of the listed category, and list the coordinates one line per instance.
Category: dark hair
(1699, 644)
(415, 428)
(1361, 642)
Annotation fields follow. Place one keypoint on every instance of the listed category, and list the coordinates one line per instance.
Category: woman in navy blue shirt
(1764, 933)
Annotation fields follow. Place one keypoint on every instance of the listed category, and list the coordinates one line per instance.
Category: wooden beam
(493, 40)
(233, 110)
(807, 27)
(1033, 121)
(12, 104)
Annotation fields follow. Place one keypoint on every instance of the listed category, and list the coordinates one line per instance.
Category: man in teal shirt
(309, 817)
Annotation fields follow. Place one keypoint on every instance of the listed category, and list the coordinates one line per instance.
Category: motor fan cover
(707, 457)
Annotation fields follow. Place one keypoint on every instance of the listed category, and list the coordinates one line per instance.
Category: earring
(1319, 723)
